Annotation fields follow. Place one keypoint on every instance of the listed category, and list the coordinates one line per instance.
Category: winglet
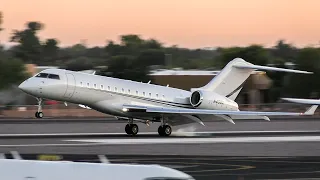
(315, 103)
(311, 110)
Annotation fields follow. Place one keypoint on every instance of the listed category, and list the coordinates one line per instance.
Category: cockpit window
(53, 76)
(42, 75)
(46, 75)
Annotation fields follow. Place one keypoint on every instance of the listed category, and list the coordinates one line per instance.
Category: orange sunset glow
(186, 23)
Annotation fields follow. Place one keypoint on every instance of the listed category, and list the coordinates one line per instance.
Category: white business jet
(145, 102)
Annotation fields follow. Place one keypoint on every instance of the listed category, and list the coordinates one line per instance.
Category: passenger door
(71, 85)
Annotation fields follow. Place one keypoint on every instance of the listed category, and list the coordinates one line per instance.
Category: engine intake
(196, 98)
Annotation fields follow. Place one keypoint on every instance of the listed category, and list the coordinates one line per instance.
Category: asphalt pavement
(279, 149)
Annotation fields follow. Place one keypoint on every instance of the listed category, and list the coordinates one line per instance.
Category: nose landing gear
(39, 113)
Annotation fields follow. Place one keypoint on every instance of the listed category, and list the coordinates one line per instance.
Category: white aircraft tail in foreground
(145, 102)
(18, 169)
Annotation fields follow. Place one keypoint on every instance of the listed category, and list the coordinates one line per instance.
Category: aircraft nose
(25, 86)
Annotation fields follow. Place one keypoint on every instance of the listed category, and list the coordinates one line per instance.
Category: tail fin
(232, 77)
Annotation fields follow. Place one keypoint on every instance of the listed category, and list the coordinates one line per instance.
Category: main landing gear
(39, 113)
(131, 129)
(163, 130)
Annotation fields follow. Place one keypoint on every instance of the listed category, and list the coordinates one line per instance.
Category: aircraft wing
(227, 115)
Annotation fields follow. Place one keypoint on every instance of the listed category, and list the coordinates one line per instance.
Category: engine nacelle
(210, 100)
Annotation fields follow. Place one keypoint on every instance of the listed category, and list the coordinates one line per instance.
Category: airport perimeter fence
(73, 110)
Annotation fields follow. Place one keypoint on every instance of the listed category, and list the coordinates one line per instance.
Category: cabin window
(109, 88)
(88, 85)
(137, 93)
(95, 86)
(144, 94)
(115, 89)
(157, 95)
(128, 91)
(101, 87)
(163, 96)
(81, 84)
(122, 90)
(149, 94)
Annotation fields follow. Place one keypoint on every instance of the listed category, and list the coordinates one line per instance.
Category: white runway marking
(49, 145)
(200, 140)
(134, 141)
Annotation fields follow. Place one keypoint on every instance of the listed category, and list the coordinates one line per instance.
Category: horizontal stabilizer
(303, 101)
(252, 66)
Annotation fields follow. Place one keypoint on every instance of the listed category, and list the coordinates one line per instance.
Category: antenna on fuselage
(15, 155)
(103, 159)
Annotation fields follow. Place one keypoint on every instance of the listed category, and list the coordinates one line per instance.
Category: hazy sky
(187, 23)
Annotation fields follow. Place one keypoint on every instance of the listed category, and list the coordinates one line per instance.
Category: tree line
(133, 57)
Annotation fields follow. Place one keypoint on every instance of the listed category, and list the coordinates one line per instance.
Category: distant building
(252, 92)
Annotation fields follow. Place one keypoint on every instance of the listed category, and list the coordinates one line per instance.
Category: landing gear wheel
(127, 129)
(164, 130)
(167, 130)
(132, 129)
(160, 131)
(39, 114)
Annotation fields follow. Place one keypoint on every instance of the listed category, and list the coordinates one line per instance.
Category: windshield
(46, 75)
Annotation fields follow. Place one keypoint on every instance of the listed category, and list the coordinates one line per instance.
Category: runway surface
(280, 149)
(210, 167)
(281, 137)
(110, 125)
